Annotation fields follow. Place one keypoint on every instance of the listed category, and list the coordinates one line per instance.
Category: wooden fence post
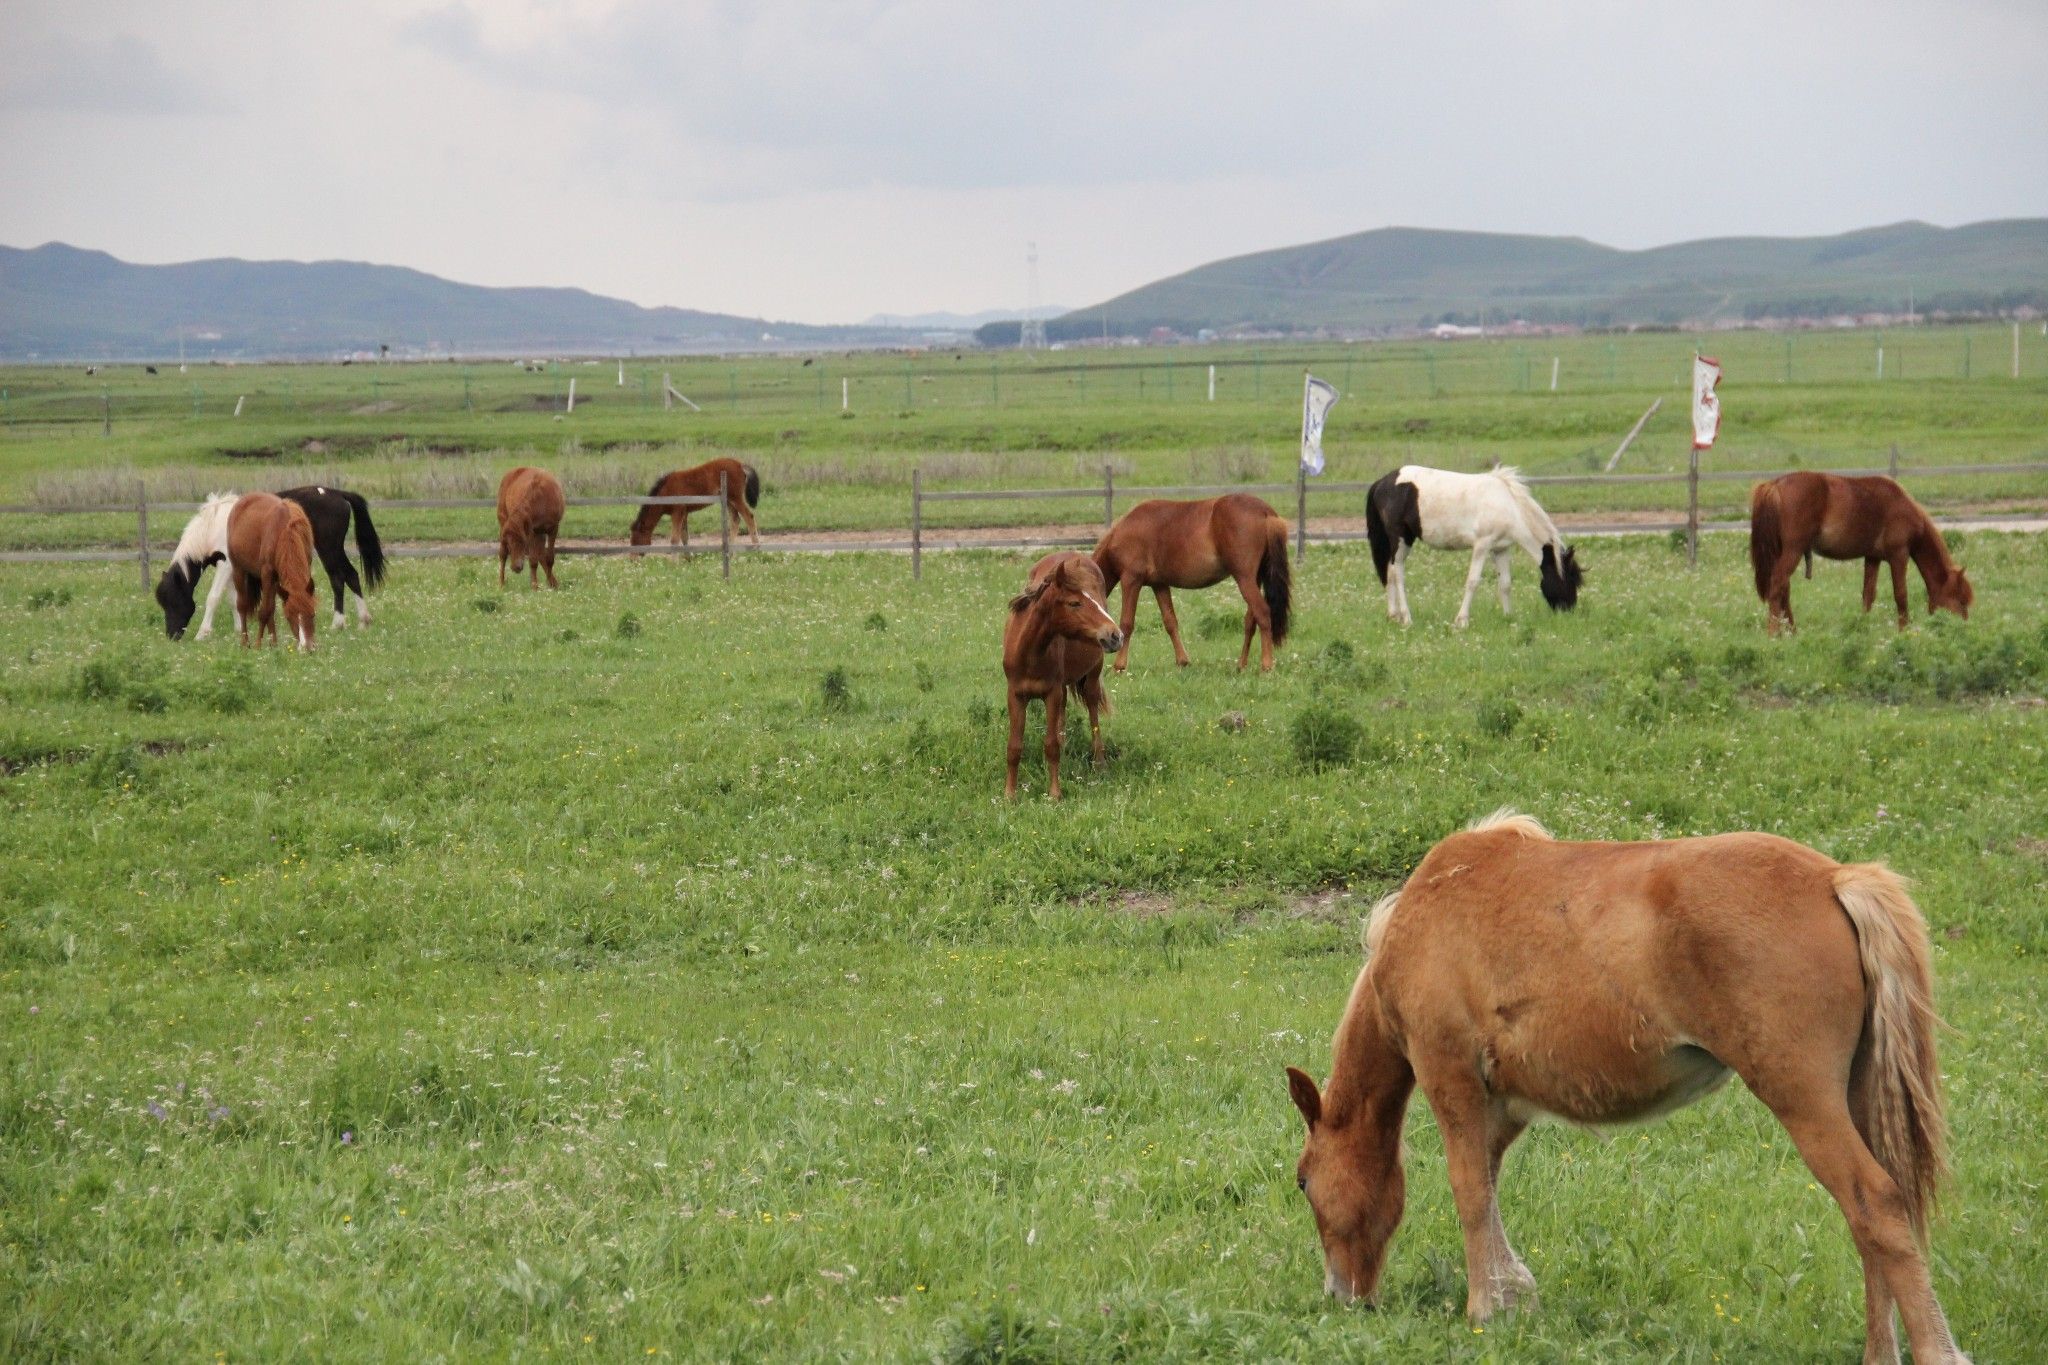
(724, 527)
(1300, 511)
(1692, 510)
(1895, 461)
(1108, 497)
(107, 409)
(917, 523)
(142, 528)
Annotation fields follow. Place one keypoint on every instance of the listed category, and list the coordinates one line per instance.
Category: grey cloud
(118, 75)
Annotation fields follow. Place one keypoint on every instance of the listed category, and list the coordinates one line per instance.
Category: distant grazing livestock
(1053, 644)
(1870, 519)
(742, 496)
(1163, 545)
(1515, 977)
(149, 369)
(270, 553)
(1489, 514)
(205, 542)
(530, 506)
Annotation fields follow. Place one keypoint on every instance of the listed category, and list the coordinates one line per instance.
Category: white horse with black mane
(1489, 514)
(205, 542)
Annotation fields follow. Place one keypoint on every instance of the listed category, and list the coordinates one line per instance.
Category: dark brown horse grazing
(1163, 545)
(1053, 644)
(1870, 519)
(742, 496)
(270, 554)
(1516, 977)
(530, 505)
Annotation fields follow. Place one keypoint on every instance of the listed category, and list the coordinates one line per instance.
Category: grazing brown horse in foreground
(742, 496)
(1163, 545)
(1870, 519)
(270, 555)
(1515, 977)
(1053, 644)
(530, 506)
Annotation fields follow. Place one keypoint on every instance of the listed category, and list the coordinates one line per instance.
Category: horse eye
(1301, 1183)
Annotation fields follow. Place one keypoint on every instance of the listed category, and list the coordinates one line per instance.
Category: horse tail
(1766, 534)
(1275, 578)
(371, 548)
(296, 551)
(1376, 532)
(1901, 1115)
(753, 485)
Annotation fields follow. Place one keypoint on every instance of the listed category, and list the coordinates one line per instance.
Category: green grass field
(1010, 420)
(590, 975)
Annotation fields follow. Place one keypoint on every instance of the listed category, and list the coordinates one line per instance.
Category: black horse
(329, 510)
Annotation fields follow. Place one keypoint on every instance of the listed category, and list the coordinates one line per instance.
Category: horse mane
(1023, 600)
(1512, 820)
(1532, 510)
(206, 534)
(1376, 921)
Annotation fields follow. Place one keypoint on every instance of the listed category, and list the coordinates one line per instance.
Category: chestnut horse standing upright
(530, 505)
(270, 554)
(1163, 545)
(742, 496)
(1053, 644)
(1516, 977)
(1838, 517)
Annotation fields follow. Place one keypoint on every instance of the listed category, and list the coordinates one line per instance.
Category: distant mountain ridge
(1396, 278)
(63, 302)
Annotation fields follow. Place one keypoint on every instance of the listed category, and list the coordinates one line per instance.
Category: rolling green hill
(1408, 277)
(60, 302)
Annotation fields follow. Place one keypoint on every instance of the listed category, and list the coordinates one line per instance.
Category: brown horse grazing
(530, 505)
(270, 555)
(1053, 644)
(1870, 519)
(1163, 545)
(742, 496)
(1515, 977)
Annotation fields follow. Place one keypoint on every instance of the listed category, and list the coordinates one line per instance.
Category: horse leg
(1397, 585)
(220, 585)
(245, 603)
(1055, 736)
(1898, 590)
(1128, 614)
(1016, 750)
(1501, 559)
(1092, 697)
(549, 563)
(1164, 596)
(1778, 605)
(1480, 550)
(1870, 582)
(1476, 1134)
(753, 528)
(1894, 1271)
(1257, 616)
(504, 552)
(339, 573)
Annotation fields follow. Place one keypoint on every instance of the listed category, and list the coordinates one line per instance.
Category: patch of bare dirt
(1141, 904)
(2037, 848)
(1331, 905)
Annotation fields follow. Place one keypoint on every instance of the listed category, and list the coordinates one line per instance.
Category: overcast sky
(821, 162)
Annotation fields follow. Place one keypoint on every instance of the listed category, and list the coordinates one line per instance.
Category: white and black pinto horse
(1489, 514)
(205, 542)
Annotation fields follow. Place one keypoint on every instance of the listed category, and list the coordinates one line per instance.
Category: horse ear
(1302, 1090)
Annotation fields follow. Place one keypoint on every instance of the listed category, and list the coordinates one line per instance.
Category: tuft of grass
(628, 627)
(1499, 716)
(1324, 734)
(835, 692)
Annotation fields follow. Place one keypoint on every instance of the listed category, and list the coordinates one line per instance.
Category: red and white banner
(1706, 404)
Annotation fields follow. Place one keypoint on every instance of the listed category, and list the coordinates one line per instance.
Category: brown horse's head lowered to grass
(1163, 545)
(530, 508)
(1516, 977)
(742, 496)
(270, 554)
(1837, 517)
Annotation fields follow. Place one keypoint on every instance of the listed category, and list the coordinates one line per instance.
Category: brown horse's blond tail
(1766, 535)
(298, 545)
(1902, 1114)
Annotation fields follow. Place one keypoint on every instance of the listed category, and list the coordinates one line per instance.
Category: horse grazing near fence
(1839, 517)
(205, 542)
(1516, 977)
(270, 554)
(530, 506)
(1053, 644)
(1489, 514)
(742, 496)
(1163, 545)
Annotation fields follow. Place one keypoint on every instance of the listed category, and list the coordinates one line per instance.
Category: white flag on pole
(1317, 398)
(1706, 403)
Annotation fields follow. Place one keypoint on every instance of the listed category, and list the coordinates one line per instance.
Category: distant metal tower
(1031, 336)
